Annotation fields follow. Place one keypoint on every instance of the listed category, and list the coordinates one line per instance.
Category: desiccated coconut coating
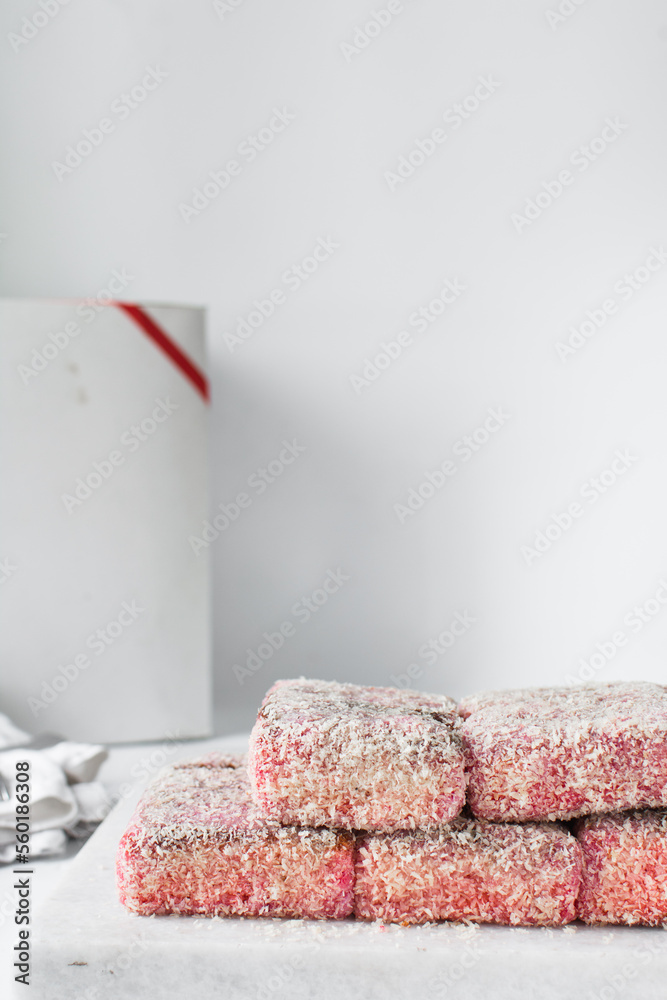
(472, 870)
(367, 758)
(196, 844)
(556, 753)
(625, 868)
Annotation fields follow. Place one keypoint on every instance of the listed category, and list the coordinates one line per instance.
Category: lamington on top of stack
(352, 801)
(360, 758)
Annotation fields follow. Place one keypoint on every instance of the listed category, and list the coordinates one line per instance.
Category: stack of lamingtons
(400, 806)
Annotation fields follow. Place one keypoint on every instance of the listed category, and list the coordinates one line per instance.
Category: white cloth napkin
(64, 798)
(79, 761)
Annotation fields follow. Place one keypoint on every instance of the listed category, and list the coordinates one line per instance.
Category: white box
(103, 450)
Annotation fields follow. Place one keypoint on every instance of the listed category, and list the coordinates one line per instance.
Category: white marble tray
(87, 947)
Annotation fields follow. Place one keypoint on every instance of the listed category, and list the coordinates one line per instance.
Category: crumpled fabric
(65, 799)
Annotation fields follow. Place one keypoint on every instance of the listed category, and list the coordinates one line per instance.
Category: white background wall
(226, 67)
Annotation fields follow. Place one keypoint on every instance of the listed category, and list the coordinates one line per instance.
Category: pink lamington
(472, 870)
(625, 868)
(556, 753)
(196, 844)
(368, 758)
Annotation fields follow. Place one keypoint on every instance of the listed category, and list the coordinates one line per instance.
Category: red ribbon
(166, 344)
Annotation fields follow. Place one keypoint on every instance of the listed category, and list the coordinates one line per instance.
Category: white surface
(228, 66)
(106, 620)
(129, 956)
